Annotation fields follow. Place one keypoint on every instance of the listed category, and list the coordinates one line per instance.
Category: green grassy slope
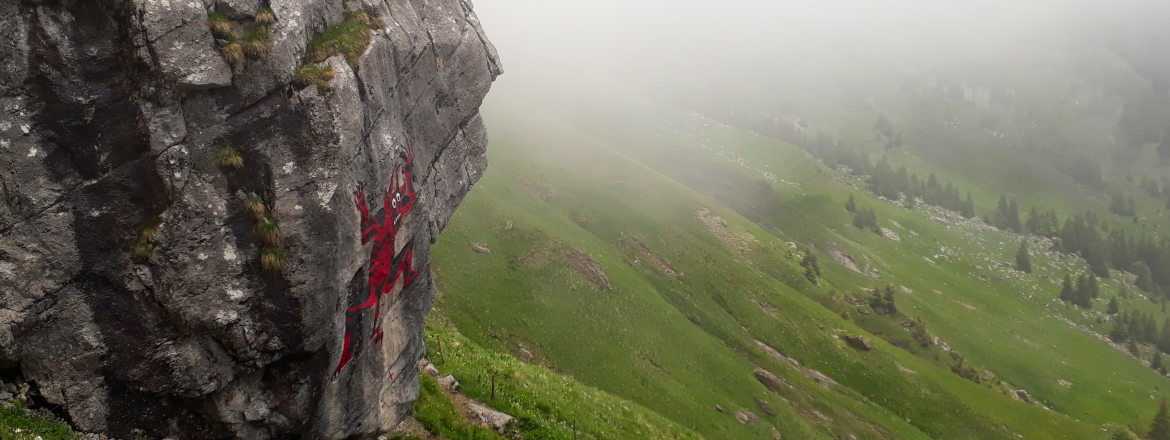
(681, 344)
(998, 318)
(547, 405)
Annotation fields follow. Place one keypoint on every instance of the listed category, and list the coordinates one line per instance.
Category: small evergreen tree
(865, 218)
(1066, 290)
(1163, 341)
(1133, 349)
(883, 301)
(812, 269)
(1160, 427)
(1082, 295)
(851, 206)
(1144, 280)
(1023, 260)
(1156, 362)
(968, 207)
(1120, 332)
(1113, 308)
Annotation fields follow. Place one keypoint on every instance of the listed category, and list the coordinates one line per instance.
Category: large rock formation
(155, 281)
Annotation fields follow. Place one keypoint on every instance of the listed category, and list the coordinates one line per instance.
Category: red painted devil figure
(386, 268)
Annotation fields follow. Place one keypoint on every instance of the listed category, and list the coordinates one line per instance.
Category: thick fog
(558, 41)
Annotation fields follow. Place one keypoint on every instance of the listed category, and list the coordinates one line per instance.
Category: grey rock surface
(133, 295)
(497, 420)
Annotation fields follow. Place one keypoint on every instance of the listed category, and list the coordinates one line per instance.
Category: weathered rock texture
(112, 113)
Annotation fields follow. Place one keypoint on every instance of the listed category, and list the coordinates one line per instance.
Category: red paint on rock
(386, 268)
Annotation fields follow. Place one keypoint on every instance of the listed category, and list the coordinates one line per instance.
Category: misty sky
(668, 38)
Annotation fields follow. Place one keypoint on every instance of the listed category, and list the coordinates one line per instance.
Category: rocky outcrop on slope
(195, 244)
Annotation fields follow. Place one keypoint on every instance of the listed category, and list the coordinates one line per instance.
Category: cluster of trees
(863, 218)
(1104, 248)
(1084, 234)
(885, 182)
(1151, 187)
(1121, 205)
(1133, 327)
(882, 301)
(1044, 224)
(1007, 215)
(812, 269)
(1023, 260)
(1082, 293)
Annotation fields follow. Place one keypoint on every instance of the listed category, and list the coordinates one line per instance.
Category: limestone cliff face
(199, 248)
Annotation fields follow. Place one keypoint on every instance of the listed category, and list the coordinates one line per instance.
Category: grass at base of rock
(20, 424)
(438, 415)
(546, 405)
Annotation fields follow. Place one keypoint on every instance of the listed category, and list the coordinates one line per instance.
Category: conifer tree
(1163, 341)
(1144, 278)
(1023, 260)
(1160, 427)
(1120, 332)
(1066, 290)
(850, 206)
(968, 210)
(1113, 307)
(1013, 217)
(812, 270)
(1156, 362)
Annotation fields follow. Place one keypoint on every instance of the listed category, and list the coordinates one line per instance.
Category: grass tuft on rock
(268, 231)
(348, 38)
(232, 52)
(272, 259)
(264, 17)
(143, 247)
(313, 75)
(256, 43)
(228, 157)
(220, 26)
(255, 207)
